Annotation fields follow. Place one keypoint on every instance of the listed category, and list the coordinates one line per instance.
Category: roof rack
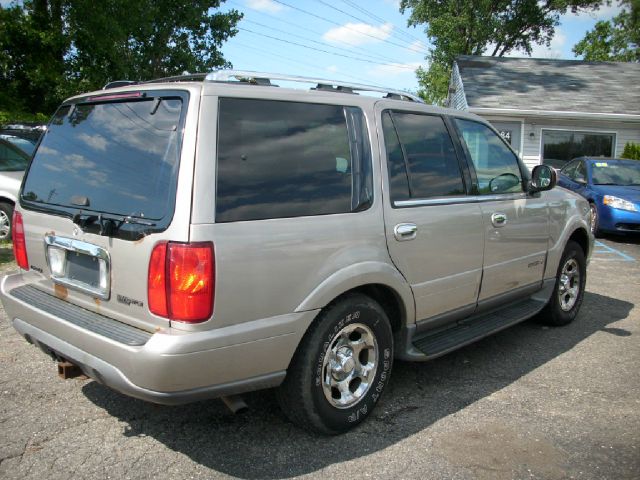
(262, 78)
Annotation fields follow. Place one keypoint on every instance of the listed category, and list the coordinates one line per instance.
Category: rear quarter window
(286, 159)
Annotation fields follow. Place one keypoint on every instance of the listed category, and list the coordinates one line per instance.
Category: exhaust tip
(235, 404)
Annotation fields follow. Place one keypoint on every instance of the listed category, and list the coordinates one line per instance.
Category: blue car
(612, 187)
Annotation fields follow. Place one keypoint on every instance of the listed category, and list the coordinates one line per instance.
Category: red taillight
(157, 285)
(19, 243)
(182, 281)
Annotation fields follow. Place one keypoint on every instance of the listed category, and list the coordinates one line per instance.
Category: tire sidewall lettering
(361, 409)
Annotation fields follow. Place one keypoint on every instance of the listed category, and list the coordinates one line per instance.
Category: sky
(357, 41)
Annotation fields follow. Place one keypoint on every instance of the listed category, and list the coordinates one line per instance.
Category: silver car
(14, 157)
(192, 238)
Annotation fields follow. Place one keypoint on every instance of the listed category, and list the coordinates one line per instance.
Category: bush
(631, 150)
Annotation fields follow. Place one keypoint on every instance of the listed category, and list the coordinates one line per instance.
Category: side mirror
(503, 183)
(543, 177)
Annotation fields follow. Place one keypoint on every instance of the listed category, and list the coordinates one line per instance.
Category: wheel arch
(377, 280)
(7, 199)
(581, 237)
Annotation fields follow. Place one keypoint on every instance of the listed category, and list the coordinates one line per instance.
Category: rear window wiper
(109, 225)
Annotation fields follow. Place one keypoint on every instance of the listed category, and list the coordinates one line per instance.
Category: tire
(325, 357)
(6, 215)
(594, 220)
(568, 291)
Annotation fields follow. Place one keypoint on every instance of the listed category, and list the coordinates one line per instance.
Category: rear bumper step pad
(80, 317)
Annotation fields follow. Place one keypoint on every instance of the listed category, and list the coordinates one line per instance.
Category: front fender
(568, 213)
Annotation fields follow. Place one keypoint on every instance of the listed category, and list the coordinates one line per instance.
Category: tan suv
(191, 238)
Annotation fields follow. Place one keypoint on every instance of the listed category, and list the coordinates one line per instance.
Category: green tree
(32, 49)
(50, 49)
(615, 40)
(494, 27)
(631, 150)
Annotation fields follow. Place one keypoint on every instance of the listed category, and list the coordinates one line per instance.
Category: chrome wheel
(349, 366)
(5, 225)
(569, 287)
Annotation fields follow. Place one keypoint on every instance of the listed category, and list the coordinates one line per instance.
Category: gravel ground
(529, 402)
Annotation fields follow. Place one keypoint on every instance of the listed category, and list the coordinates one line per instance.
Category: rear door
(516, 228)
(434, 232)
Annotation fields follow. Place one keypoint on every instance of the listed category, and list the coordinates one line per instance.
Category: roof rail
(262, 78)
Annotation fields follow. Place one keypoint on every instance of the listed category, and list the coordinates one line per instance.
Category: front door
(516, 225)
(433, 231)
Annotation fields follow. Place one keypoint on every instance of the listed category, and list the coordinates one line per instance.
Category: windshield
(12, 159)
(616, 173)
(117, 157)
(27, 146)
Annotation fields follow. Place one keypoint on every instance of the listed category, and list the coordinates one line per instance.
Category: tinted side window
(285, 159)
(569, 169)
(429, 156)
(398, 179)
(581, 172)
(496, 166)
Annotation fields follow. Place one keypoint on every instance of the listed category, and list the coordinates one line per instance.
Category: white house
(552, 110)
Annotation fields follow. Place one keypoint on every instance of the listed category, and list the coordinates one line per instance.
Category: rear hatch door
(102, 190)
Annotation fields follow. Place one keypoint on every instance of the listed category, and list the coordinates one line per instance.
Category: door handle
(405, 231)
(499, 219)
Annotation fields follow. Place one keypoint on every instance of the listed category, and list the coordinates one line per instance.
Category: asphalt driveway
(529, 402)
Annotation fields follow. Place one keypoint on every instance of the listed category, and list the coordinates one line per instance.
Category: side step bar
(432, 344)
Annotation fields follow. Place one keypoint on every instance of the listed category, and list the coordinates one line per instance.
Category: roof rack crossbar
(261, 78)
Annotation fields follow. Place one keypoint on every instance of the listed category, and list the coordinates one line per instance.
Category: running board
(435, 343)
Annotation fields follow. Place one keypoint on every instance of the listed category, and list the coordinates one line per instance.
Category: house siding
(457, 98)
(531, 154)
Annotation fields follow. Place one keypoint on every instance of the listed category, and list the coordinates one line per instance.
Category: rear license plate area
(83, 268)
(79, 265)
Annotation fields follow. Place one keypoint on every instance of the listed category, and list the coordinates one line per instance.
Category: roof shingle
(551, 85)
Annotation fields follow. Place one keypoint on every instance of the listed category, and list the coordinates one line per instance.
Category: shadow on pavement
(262, 444)
(629, 239)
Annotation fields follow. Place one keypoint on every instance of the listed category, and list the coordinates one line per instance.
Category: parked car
(203, 237)
(13, 161)
(24, 144)
(612, 188)
(27, 131)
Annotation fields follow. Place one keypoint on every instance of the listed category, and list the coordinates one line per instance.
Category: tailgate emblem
(129, 301)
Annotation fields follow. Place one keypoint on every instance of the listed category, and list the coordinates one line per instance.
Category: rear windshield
(117, 157)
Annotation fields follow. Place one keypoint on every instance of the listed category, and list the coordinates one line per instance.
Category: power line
(324, 44)
(393, 32)
(352, 47)
(376, 18)
(396, 65)
(305, 64)
(339, 25)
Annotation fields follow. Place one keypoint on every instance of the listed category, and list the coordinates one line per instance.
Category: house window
(560, 146)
